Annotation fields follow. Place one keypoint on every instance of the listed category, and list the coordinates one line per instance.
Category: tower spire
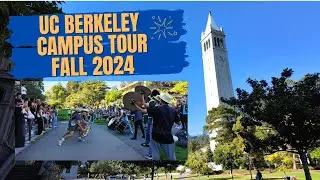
(211, 23)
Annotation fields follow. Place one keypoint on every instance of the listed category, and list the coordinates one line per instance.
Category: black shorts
(72, 128)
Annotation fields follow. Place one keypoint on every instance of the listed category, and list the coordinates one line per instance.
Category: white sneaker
(60, 143)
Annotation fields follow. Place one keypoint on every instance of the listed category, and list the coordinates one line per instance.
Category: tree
(220, 120)
(291, 110)
(282, 161)
(209, 154)
(35, 89)
(77, 99)
(161, 85)
(180, 88)
(197, 162)
(112, 96)
(93, 91)
(73, 87)
(193, 145)
(315, 156)
(230, 155)
(56, 95)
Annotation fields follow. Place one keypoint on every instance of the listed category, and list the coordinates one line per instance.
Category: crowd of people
(154, 119)
(30, 112)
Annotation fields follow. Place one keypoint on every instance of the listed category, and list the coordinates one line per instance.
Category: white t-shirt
(23, 90)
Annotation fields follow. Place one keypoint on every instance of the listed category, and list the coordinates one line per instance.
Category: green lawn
(181, 154)
(266, 175)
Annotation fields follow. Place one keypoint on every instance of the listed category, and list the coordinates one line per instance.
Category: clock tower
(217, 76)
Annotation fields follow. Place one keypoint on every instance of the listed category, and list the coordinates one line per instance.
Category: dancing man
(164, 117)
(74, 124)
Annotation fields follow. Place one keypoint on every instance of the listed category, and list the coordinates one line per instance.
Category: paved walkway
(100, 144)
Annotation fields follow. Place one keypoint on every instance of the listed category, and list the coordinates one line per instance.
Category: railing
(30, 130)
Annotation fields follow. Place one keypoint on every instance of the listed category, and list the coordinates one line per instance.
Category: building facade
(217, 76)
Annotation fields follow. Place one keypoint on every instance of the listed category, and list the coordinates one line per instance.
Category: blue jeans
(129, 124)
(149, 129)
(54, 121)
(167, 148)
(150, 148)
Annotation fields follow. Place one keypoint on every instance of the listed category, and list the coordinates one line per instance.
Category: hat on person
(157, 98)
(166, 97)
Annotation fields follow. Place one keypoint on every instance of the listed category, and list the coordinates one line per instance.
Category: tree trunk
(198, 176)
(231, 172)
(270, 171)
(304, 160)
(294, 162)
(250, 168)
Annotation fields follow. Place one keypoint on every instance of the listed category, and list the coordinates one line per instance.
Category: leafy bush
(63, 115)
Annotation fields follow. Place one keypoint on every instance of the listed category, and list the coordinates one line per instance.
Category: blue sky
(262, 39)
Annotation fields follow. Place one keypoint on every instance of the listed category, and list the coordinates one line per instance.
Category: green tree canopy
(35, 89)
(220, 120)
(56, 95)
(94, 91)
(197, 162)
(112, 96)
(77, 99)
(73, 87)
(230, 155)
(282, 161)
(209, 155)
(292, 110)
(180, 88)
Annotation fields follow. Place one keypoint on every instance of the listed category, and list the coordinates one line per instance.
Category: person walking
(54, 117)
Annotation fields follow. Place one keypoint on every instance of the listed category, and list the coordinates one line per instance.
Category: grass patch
(101, 121)
(276, 175)
(181, 153)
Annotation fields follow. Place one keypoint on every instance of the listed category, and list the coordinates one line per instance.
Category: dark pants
(136, 124)
(40, 125)
(19, 131)
(184, 121)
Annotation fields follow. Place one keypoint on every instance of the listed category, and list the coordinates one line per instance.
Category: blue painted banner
(166, 53)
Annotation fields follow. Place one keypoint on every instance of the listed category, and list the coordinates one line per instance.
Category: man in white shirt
(23, 92)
